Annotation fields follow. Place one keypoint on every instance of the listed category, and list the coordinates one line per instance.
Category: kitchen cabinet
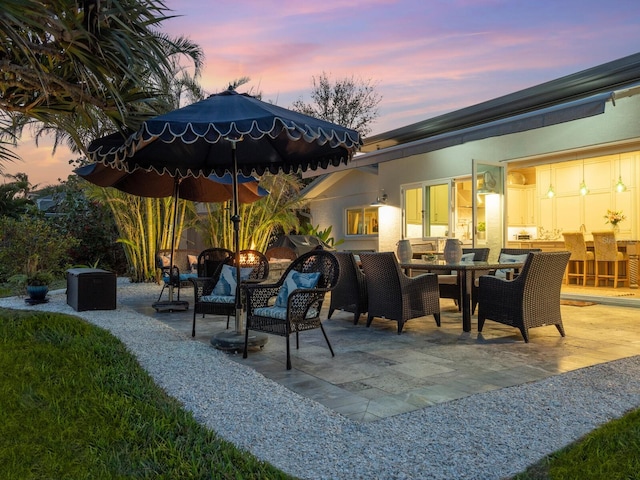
(439, 204)
(521, 205)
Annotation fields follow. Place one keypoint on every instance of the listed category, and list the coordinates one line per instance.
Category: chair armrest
(259, 294)
(424, 282)
(302, 300)
(203, 286)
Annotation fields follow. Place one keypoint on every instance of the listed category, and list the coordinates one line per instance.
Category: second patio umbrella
(149, 183)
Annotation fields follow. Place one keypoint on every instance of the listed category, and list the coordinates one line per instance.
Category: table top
(443, 265)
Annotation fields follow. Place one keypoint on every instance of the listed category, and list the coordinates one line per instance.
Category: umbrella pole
(172, 305)
(235, 218)
(235, 341)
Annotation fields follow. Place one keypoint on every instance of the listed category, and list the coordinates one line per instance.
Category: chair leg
(369, 320)
(327, 339)
(400, 326)
(436, 316)
(288, 354)
(560, 328)
(480, 322)
(193, 328)
(331, 310)
(525, 333)
(356, 317)
(227, 322)
(162, 291)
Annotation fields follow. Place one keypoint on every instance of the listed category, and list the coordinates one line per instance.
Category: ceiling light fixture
(583, 186)
(551, 192)
(620, 186)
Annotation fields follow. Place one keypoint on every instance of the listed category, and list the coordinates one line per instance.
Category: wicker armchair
(394, 295)
(448, 284)
(210, 259)
(350, 293)
(531, 300)
(205, 300)
(303, 303)
(174, 276)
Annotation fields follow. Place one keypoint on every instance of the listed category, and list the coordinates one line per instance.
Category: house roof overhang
(586, 83)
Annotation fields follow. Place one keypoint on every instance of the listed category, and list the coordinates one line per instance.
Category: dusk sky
(425, 57)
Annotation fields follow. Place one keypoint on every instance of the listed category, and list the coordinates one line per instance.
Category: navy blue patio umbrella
(229, 132)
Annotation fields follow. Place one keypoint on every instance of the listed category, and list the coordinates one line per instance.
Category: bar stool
(580, 257)
(606, 255)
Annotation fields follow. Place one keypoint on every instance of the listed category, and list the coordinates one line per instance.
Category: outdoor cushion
(281, 312)
(184, 277)
(166, 261)
(227, 282)
(218, 298)
(468, 257)
(509, 258)
(294, 281)
(193, 263)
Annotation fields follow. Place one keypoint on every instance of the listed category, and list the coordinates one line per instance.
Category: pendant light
(583, 186)
(551, 192)
(620, 186)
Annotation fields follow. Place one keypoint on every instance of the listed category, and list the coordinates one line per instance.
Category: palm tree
(79, 67)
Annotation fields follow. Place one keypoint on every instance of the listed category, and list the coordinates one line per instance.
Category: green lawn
(75, 404)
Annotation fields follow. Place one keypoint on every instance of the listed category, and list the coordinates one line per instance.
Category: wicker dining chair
(207, 301)
(396, 296)
(350, 293)
(299, 295)
(530, 300)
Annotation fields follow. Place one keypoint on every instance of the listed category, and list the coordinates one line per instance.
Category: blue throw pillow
(227, 282)
(294, 281)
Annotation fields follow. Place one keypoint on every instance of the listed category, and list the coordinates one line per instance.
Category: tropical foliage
(30, 244)
(144, 226)
(259, 220)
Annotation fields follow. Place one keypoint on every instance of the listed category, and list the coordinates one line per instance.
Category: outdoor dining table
(464, 271)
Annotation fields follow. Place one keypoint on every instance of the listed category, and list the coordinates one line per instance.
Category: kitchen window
(362, 221)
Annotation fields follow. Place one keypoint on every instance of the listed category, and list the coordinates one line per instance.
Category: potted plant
(482, 230)
(35, 281)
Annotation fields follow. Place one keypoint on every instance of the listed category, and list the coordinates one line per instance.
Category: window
(362, 221)
(426, 209)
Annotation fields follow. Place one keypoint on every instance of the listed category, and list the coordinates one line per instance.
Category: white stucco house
(514, 165)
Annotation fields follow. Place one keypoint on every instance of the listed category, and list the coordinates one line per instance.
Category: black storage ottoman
(91, 289)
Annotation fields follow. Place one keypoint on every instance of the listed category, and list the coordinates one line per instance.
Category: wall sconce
(620, 186)
(551, 192)
(583, 186)
(380, 201)
(488, 184)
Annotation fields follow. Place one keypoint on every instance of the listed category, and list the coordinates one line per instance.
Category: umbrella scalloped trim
(213, 124)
